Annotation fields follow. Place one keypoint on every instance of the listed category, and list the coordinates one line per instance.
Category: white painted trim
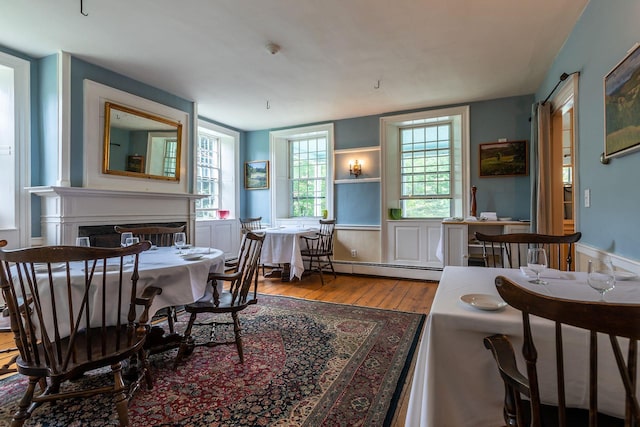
(356, 150)
(64, 119)
(619, 262)
(356, 180)
(95, 95)
(22, 136)
(385, 270)
(236, 157)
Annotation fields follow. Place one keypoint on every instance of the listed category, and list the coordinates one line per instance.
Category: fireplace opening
(106, 237)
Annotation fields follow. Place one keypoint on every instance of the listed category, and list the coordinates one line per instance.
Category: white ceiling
(338, 58)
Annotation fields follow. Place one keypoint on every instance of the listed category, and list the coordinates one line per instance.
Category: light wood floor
(388, 293)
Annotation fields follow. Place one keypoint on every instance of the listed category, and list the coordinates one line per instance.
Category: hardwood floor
(380, 292)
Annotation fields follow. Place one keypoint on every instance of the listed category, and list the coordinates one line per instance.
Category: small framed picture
(509, 158)
(256, 175)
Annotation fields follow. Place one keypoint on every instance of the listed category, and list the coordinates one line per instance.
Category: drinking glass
(82, 241)
(602, 280)
(123, 238)
(537, 262)
(128, 242)
(180, 240)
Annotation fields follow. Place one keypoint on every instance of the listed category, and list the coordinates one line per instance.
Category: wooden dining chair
(73, 310)
(160, 236)
(4, 313)
(318, 249)
(523, 401)
(242, 292)
(250, 224)
(510, 250)
(157, 235)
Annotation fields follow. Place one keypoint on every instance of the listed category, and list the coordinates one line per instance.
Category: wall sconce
(355, 168)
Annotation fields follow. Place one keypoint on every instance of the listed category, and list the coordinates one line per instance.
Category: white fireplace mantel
(64, 209)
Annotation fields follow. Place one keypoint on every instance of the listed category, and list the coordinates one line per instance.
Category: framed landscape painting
(256, 175)
(622, 106)
(509, 158)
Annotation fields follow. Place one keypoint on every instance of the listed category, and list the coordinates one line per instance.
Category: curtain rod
(563, 77)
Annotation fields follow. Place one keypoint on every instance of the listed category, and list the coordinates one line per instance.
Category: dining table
(282, 246)
(180, 273)
(456, 382)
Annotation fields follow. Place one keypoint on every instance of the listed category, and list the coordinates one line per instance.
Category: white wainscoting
(223, 234)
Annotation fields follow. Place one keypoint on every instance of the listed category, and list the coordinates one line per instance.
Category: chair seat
(117, 346)
(224, 305)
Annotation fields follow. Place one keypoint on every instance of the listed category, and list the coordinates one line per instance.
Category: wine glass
(180, 240)
(537, 262)
(82, 241)
(128, 242)
(602, 280)
(123, 238)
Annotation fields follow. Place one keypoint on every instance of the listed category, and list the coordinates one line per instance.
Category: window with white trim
(216, 170)
(301, 172)
(426, 171)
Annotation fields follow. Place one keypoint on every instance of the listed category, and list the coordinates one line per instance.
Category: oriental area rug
(307, 363)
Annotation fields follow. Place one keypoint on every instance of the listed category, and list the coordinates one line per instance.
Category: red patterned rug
(307, 363)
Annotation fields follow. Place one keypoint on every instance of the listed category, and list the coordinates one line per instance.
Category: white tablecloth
(456, 382)
(282, 246)
(181, 281)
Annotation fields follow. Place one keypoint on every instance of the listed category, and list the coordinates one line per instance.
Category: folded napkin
(548, 273)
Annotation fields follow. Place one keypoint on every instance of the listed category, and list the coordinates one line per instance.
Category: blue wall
(81, 70)
(600, 39)
(489, 121)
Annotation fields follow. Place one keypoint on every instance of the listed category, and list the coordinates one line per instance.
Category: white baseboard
(388, 270)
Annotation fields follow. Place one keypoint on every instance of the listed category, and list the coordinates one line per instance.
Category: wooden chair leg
(121, 401)
(236, 330)
(186, 345)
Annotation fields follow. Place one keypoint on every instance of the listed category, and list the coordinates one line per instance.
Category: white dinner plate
(624, 275)
(191, 257)
(483, 301)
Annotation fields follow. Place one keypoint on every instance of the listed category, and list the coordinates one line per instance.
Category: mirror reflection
(140, 144)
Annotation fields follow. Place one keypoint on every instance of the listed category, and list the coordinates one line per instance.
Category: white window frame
(17, 230)
(229, 182)
(389, 129)
(279, 170)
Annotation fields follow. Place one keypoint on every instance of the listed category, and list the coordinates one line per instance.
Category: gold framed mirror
(140, 144)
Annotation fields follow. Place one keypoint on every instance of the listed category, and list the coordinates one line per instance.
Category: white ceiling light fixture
(273, 48)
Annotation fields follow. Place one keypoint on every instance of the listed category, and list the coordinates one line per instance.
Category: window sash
(308, 165)
(426, 159)
(208, 175)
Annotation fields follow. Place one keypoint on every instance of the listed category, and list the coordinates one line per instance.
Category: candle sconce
(355, 168)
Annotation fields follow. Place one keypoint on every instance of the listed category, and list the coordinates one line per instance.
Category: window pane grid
(307, 176)
(208, 174)
(425, 166)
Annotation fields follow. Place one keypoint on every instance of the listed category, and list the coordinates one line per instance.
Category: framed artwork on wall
(622, 106)
(256, 175)
(509, 158)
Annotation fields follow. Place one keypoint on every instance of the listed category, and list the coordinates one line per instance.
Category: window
(216, 174)
(425, 169)
(301, 172)
(307, 175)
